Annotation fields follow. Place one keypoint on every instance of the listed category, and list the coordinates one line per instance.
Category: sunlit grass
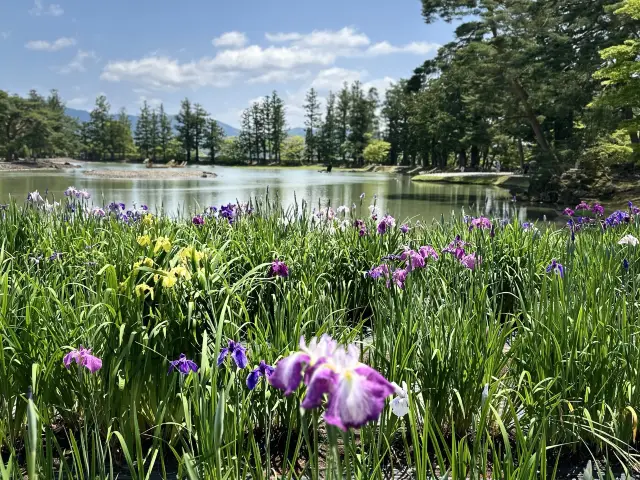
(559, 357)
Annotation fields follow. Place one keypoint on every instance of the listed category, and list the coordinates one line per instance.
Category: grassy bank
(506, 180)
(511, 371)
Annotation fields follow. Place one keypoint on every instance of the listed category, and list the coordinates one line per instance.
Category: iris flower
(414, 259)
(404, 228)
(470, 261)
(583, 206)
(98, 212)
(428, 251)
(400, 277)
(263, 370)
(356, 392)
(279, 269)
(556, 268)
(597, 209)
(83, 357)
(568, 212)
(35, 197)
(400, 403)
(629, 240)
(198, 220)
(480, 222)
(386, 223)
(237, 352)
(182, 365)
(70, 192)
(625, 264)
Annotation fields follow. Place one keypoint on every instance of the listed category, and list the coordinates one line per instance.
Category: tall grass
(559, 357)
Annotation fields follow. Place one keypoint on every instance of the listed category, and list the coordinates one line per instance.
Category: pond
(397, 194)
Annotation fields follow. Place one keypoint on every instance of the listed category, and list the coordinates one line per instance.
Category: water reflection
(396, 195)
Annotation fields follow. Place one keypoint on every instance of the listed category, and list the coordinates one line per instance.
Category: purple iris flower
(493, 231)
(379, 271)
(625, 264)
(55, 256)
(98, 212)
(263, 370)
(456, 247)
(228, 212)
(414, 259)
(556, 268)
(527, 225)
(393, 257)
(597, 209)
(568, 212)
(237, 352)
(144, 208)
(356, 392)
(83, 357)
(198, 220)
(400, 277)
(183, 365)
(70, 192)
(617, 218)
(470, 261)
(386, 223)
(583, 206)
(404, 228)
(481, 222)
(279, 269)
(428, 251)
(633, 209)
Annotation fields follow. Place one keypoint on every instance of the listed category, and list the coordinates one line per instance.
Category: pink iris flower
(83, 357)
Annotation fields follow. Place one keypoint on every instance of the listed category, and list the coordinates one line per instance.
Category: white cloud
(78, 102)
(78, 62)
(416, 48)
(231, 39)
(346, 38)
(255, 57)
(5, 35)
(167, 73)
(380, 84)
(39, 9)
(46, 46)
(334, 78)
(279, 76)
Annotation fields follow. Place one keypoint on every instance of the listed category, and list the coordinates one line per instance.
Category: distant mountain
(299, 132)
(84, 116)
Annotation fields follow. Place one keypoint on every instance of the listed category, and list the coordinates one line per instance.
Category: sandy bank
(40, 165)
(150, 173)
(498, 179)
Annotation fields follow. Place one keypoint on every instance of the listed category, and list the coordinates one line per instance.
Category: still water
(397, 195)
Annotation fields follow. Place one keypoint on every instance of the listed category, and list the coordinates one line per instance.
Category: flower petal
(359, 398)
(240, 357)
(223, 354)
(253, 378)
(321, 382)
(93, 364)
(288, 373)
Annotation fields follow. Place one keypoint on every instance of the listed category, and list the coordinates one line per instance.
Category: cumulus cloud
(334, 78)
(39, 9)
(54, 46)
(152, 102)
(345, 38)
(5, 35)
(78, 62)
(279, 76)
(231, 39)
(416, 48)
(288, 57)
(168, 73)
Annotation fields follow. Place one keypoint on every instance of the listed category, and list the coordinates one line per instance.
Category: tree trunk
(425, 158)
(475, 156)
(627, 114)
(521, 153)
(462, 158)
(531, 117)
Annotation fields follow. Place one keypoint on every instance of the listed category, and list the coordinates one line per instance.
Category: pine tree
(185, 120)
(342, 119)
(278, 131)
(199, 128)
(327, 147)
(143, 133)
(97, 128)
(166, 132)
(154, 134)
(312, 122)
(214, 138)
(245, 139)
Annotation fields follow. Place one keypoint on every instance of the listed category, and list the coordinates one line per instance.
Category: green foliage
(293, 151)
(559, 357)
(377, 151)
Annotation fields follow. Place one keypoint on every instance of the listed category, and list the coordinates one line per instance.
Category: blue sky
(220, 54)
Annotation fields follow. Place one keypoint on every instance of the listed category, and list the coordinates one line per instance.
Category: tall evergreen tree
(214, 138)
(199, 128)
(342, 118)
(97, 128)
(312, 123)
(186, 128)
(144, 131)
(166, 132)
(278, 131)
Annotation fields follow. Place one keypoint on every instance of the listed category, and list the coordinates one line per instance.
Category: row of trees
(523, 82)
(342, 132)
